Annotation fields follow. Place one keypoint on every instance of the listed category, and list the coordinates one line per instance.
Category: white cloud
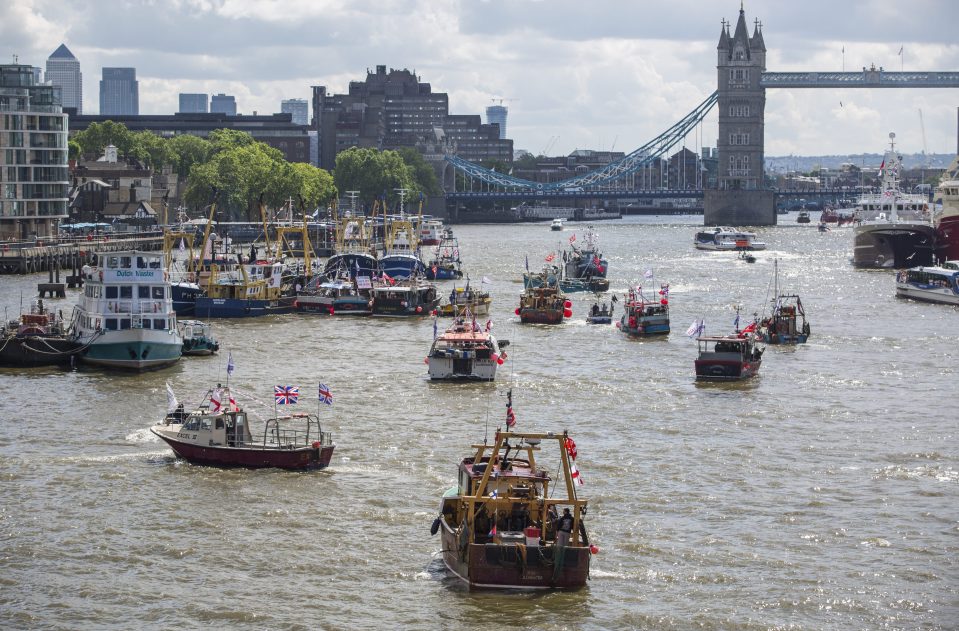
(575, 75)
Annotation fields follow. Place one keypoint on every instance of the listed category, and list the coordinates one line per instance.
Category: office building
(194, 103)
(496, 115)
(395, 109)
(34, 177)
(299, 108)
(119, 92)
(63, 70)
(223, 104)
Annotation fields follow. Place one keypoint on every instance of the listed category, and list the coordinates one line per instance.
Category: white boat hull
(450, 368)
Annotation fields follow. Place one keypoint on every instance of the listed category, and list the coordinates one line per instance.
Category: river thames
(823, 494)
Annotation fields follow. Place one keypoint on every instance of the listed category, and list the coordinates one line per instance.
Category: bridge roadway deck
(626, 195)
(867, 78)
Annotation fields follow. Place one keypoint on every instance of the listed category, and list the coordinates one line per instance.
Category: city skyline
(599, 77)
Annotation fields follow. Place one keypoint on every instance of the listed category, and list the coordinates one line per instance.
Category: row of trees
(243, 171)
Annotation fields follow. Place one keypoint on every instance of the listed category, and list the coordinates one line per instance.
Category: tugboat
(125, 317)
(461, 298)
(465, 352)
(505, 526)
(787, 324)
(413, 296)
(198, 338)
(445, 264)
(218, 433)
(38, 338)
(546, 304)
(645, 317)
(729, 357)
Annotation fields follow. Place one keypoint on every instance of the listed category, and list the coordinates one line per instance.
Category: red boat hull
(220, 456)
(947, 239)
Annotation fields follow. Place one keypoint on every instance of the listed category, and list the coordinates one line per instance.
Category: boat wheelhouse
(220, 433)
(410, 297)
(478, 302)
(546, 304)
(253, 290)
(125, 316)
(930, 284)
(727, 240)
(464, 352)
(728, 357)
(198, 339)
(643, 317)
(507, 526)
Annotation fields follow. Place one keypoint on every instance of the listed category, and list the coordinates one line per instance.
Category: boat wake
(141, 436)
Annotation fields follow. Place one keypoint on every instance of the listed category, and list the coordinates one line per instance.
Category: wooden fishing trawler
(465, 352)
(219, 433)
(478, 302)
(644, 317)
(729, 357)
(38, 338)
(198, 339)
(787, 324)
(505, 526)
(546, 304)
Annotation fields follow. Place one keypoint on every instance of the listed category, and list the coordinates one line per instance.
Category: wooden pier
(34, 257)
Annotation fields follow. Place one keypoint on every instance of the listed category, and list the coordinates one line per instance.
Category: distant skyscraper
(223, 104)
(120, 92)
(497, 114)
(194, 103)
(63, 70)
(300, 109)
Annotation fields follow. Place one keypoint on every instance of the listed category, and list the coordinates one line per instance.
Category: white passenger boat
(727, 240)
(930, 284)
(125, 317)
(557, 224)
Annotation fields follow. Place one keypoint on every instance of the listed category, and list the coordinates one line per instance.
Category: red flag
(572, 237)
(550, 257)
(571, 448)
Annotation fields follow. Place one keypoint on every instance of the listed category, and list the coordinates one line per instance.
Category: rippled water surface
(824, 494)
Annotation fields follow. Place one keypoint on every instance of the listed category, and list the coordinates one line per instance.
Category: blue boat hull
(443, 274)
(401, 266)
(241, 308)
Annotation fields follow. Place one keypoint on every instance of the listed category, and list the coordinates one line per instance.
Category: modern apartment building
(34, 178)
(223, 104)
(194, 103)
(299, 108)
(394, 109)
(119, 92)
(63, 70)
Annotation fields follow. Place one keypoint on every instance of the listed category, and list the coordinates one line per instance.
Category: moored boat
(125, 316)
(930, 284)
(505, 526)
(446, 263)
(253, 290)
(947, 219)
(893, 229)
(37, 338)
(465, 352)
(220, 433)
(198, 339)
(409, 297)
(644, 317)
(431, 231)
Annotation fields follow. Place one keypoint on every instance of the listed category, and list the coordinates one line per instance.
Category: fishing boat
(477, 301)
(198, 338)
(37, 338)
(947, 219)
(506, 526)
(893, 229)
(930, 284)
(445, 264)
(342, 294)
(600, 314)
(787, 323)
(729, 357)
(220, 433)
(252, 290)
(644, 317)
(414, 296)
(746, 256)
(557, 225)
(125, 316)
(545, 304)
(803, 217)
(465, 351)
(727, 239)
(401, 258)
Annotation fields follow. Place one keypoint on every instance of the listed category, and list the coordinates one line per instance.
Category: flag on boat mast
(171, 401)
(230, 366)
(510, 416)
(696, 328)
(326, 395)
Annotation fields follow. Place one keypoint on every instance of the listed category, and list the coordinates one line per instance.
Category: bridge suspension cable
(630, 163)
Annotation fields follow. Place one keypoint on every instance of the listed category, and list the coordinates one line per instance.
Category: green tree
(74, 149)
(188, 150)
(225, 139)
(97, 136)
(423, 174)
(373, 173)
(151, 150)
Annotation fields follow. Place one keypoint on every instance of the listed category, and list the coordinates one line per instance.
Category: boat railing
(276, 436)
(137, 307)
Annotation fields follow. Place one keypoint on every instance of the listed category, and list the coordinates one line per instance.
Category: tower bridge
(742, 80)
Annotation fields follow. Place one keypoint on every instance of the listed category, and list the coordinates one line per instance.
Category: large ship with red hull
(947, 219)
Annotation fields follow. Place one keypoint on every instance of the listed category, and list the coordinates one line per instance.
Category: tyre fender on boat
(435, 527)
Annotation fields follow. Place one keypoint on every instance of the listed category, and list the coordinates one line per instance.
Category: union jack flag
(325, 395)
(286, 395)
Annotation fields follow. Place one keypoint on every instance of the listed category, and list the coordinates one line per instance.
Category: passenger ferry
(727, 240)
(930, 284)
(125, 316)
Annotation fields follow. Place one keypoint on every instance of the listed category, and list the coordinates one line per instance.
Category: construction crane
(549, 145)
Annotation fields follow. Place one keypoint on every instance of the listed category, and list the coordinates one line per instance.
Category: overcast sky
(603, 74)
